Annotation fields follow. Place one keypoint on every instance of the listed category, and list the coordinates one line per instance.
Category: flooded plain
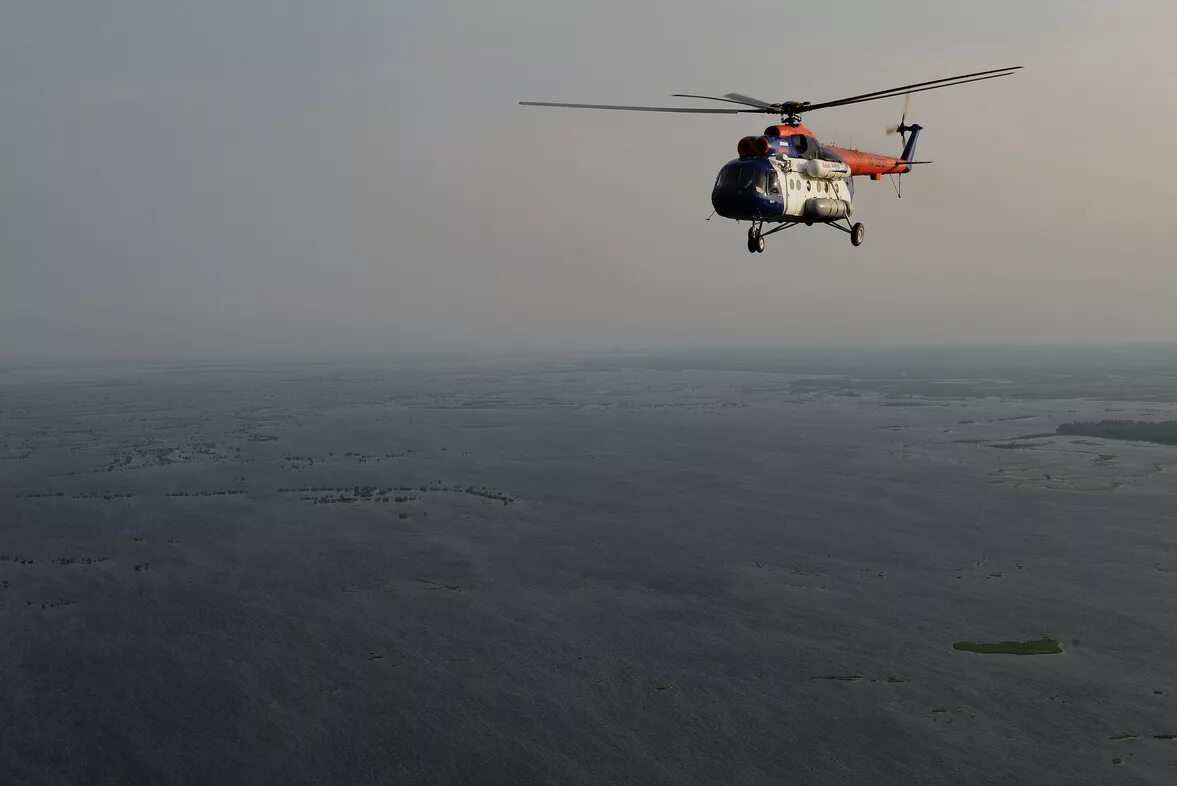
(648, 569)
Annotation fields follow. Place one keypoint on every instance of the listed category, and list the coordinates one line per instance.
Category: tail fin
(908, 153)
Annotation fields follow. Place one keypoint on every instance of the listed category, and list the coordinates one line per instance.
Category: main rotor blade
(847, 101)
(689, 110)
(749, 102)
(792, 107)
(937, 83)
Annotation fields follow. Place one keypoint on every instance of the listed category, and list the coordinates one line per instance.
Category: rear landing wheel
(857, 234)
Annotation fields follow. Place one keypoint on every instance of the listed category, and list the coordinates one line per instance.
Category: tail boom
(875, 165)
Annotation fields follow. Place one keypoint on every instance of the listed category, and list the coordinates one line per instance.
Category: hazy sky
(304, 177)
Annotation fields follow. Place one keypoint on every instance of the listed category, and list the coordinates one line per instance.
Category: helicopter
(785, 176)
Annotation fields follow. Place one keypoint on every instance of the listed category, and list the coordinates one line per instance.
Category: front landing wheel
(755, 241)
(857, 234)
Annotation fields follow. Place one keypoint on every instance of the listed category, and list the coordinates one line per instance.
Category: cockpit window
(746, 178)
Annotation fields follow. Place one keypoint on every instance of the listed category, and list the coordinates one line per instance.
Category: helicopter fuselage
(786, 175)
(783, 189)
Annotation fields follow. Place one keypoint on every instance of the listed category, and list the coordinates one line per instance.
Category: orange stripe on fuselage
(863, 163)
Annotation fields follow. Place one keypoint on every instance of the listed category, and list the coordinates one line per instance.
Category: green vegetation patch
(842, 677)
(1124, 737)
(1042, 646)
(1161, 432)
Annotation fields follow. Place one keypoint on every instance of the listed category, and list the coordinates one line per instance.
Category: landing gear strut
(857, 231)
(756, 234)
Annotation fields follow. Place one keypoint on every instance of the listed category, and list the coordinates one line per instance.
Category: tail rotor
(903, 127)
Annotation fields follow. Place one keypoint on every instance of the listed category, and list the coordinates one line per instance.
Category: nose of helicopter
(747, 190)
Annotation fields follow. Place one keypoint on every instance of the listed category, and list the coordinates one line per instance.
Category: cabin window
(774, 185)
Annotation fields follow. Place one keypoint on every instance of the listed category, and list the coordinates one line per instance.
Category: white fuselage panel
(798, 187)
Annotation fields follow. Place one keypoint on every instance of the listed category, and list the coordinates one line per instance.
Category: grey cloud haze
(295, 178)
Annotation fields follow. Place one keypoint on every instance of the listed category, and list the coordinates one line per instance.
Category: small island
(1043, 646)
(1161, 432)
